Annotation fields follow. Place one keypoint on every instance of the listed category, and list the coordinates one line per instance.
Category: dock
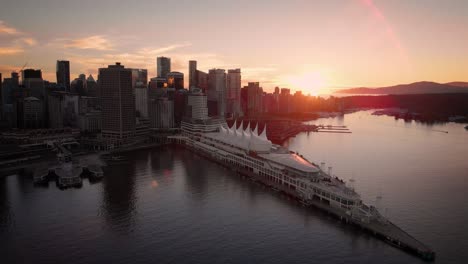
(69, 175)
(382, 229)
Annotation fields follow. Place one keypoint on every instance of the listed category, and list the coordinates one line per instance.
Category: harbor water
(168, 205)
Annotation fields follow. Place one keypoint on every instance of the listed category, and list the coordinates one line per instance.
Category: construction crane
(24, 66)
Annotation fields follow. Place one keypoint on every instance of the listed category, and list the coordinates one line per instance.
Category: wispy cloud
(10, 50)
(7, 69)
(5, 29)
(93, 42)
(162, 50)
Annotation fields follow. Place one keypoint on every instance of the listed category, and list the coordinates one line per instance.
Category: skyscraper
(175, 80)
(197, 105)
(233, 92)
(1, 97)
(163, 66)
(31, 74)
(118, 104)
(92, 87)
(63, 74)
(193, 78)
(217, 90)
(254, 98)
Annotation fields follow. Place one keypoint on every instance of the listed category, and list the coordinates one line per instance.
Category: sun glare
(313, 83)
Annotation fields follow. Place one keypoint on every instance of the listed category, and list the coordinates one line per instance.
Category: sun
(311, 82)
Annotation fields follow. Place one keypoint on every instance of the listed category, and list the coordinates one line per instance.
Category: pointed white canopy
(255, 132)
(264, 135)
(245, 139)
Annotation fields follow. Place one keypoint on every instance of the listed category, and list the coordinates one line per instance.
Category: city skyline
(357, 43)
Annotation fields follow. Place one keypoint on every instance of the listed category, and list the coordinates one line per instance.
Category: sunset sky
(307, 45)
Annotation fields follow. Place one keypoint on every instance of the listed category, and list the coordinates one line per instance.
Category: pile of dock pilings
(424, 253)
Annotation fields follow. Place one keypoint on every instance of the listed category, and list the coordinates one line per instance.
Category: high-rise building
(161, 113)
(32, 113)
(118, 104)
(63, 74)
(140, 88)
(175, 80)
(163, 66)
(79, 85)
(233, 107)
(31, 74)
(202, 81)
(254, 98)
(197, 105)
(139, 78)
(10, 85)
(193, 78)
(1, 97)
(284, 100)
(141, 101)
(217, 90)
(92, 87)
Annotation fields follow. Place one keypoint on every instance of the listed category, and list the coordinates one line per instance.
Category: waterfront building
(233, 94)
(118, 104)
(217, 90)
(175, 80)
(63, 74)
(163, 66)
(193, 77)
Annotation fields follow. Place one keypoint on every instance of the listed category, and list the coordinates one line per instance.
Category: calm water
(170, 206)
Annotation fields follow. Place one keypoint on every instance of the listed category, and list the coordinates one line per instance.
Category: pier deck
(387, 231)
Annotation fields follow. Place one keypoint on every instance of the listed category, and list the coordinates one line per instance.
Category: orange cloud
(29, 41)
(10, 50)
(160, 51)
(93, 42)
(4, 29)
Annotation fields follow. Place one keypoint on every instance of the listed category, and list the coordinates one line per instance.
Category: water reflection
(119, 199)
(5, 210)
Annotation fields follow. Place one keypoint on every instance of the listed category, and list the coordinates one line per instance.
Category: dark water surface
(171, 206)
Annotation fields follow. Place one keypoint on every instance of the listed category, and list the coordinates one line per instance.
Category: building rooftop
(291, 160)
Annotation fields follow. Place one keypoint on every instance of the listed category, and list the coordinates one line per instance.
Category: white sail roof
(245, 139)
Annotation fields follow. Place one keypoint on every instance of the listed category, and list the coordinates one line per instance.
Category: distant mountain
(459, 84)
(412, 88)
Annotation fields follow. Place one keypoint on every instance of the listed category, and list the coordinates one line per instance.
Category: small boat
(95, 172)
(40, 175)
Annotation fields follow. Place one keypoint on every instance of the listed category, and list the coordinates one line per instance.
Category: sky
(313, 46)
